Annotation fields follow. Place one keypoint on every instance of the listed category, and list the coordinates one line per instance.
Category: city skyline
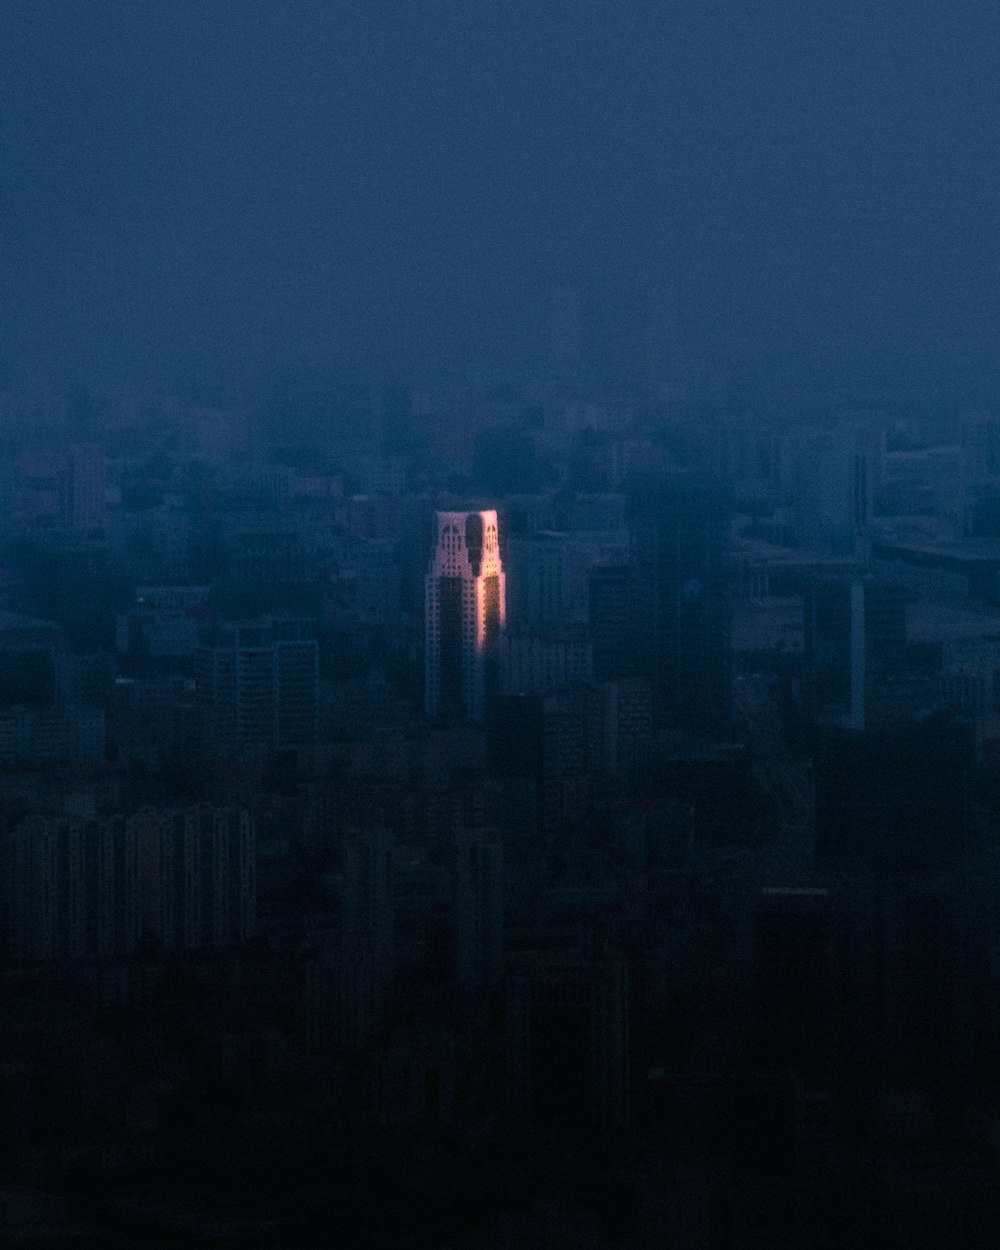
(499, 624)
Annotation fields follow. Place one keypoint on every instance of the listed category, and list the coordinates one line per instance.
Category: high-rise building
(567, 1045)
(550, 569)
(835, 652)
(855, 645)
(198, 876)
(73, 887)
(613, 591)
(565, 780)
(835, 476)
(621, 728)
(39, 736)
(83, 502)
(29, 650)
(543, 660)
(539, 591)
(70, 888)
(259, 682)
(680, 545)
(464, 613)
(63, 488)
(346, 984)
(478, 908)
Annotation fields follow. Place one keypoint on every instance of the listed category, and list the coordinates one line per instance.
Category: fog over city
(499, 624)
(199, 190)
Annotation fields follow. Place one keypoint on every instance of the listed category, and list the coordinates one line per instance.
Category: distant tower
(259, 680)
(835, 479)
(855, 649)
(464, 612)
(83, 502)
(680, 544)
(612, 610)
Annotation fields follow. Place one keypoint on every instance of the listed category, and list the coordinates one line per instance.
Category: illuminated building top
(465, 610)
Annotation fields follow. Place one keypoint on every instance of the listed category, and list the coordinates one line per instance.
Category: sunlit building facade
(464, 613)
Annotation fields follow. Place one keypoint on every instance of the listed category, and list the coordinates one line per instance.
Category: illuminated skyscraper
(464, 612)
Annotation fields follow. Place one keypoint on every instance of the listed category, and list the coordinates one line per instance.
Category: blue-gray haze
(212, 187)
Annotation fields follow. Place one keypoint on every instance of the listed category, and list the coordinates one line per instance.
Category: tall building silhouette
(835, 477)
(464, 612)
(83, 488)
(197, 868)
(612, 603)
(679, 528)
(74, 888)
(567, 1045)
(855, 645)
(259, 681)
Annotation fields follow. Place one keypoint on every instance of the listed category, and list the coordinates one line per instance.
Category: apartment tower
(464, 613)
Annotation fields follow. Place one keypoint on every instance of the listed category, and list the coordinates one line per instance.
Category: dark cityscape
(499, 625)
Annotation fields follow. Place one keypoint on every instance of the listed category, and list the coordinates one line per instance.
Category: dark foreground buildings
(655, 903)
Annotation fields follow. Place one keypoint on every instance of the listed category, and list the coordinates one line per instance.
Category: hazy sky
(212, 184)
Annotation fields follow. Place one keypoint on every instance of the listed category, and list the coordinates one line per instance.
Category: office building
(198, 876)
(855, 647)
(83, 503)
(347, 981)
(680, 544)
(42, 736)
(28, 652)
(70, 888)
(621, 728)
(543, 660)
(538, 590)
(835, 475)
(613, 597)
(565, 776)
(259, 683)
(75, 888)
(567, 1045)
(464, 613)
(794, 945)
